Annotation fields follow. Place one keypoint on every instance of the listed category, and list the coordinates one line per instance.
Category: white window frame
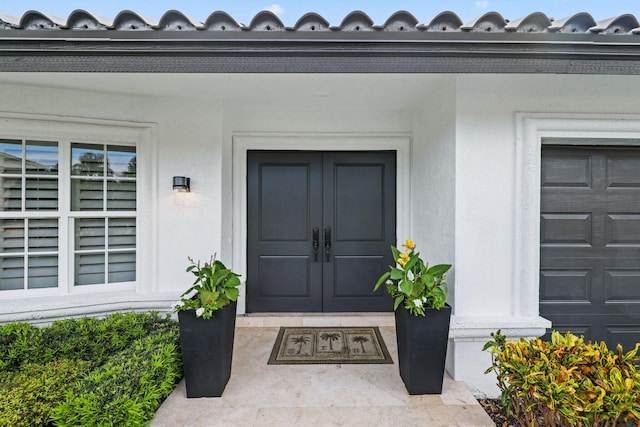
(67, 130)
(73, 215)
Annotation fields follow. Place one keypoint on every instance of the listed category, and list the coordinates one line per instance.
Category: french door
(319, 229)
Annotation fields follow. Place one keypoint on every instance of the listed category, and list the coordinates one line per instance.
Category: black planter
(422, 348)
(207, 349)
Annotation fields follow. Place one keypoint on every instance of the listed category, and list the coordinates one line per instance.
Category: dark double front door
(319, 228)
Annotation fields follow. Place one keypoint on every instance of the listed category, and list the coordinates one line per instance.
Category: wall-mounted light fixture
(182, 183)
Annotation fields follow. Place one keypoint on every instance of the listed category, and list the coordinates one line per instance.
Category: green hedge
(19, 343)
(89, 372)
(128, 388)
(89, 339)
(566, 382)
(29, 395)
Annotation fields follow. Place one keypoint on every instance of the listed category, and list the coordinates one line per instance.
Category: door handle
(316, 243)
(327, 243)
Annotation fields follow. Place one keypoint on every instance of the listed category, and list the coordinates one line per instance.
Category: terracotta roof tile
(356, 21)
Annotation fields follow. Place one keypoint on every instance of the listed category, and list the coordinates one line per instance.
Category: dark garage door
(590, 242)
(319, 227)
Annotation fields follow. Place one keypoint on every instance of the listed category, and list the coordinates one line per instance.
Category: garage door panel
(622, 286)
(575, 329)
(580, 325)
(623, 229)
(562, 171)
(623, 171)
(565, 285)
(625, 335)
(565, 228)
(590, 241)
(611, 329)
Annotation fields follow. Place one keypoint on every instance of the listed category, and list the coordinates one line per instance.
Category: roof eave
(326, 52)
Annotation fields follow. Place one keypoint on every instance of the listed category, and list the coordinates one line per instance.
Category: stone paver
(317, 395)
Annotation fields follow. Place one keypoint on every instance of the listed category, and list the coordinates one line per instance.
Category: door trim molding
(532, 129)
(244, 141)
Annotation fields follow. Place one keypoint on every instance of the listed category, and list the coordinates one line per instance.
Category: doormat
(329, 345)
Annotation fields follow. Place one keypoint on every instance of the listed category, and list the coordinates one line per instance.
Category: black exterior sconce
(182, 183)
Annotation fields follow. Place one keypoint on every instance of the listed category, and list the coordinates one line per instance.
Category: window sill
(46, 309)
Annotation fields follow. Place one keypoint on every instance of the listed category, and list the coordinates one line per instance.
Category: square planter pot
(207, 350)
(422, 348)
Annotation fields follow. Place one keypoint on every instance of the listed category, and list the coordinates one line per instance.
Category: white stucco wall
(194, 124)
(486, 169)
(465, 202)
(190, 144)
(187, 141)
(496, 277)
(433, 182)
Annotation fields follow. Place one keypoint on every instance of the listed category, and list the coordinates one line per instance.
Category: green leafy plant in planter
(214, 288)
(207, 318)
(413, 283)
(422, 318)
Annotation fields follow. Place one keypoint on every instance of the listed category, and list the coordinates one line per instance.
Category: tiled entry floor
(317, 395)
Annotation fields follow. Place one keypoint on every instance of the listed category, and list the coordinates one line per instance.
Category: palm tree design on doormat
(300, 340)
(360, 339)
(331, 337)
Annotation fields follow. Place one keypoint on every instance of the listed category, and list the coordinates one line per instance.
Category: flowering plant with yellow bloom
(413, 282)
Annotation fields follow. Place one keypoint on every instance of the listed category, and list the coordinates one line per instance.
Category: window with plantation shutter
(103, 180)
(29, 226)
(68, 211)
